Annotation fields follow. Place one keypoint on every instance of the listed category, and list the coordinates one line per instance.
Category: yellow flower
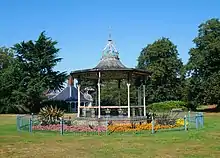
(180, 122)
(137, 127)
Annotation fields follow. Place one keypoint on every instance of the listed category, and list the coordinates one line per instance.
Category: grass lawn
(178, 144)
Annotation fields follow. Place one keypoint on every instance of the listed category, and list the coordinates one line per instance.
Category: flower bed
(112, 127)
(144, 126)
(180, 122)
(129, 127)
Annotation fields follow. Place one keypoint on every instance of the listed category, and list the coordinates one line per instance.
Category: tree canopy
(10, 75)
(161, 58)
(6, 55)
(203, 66)
(31, 74)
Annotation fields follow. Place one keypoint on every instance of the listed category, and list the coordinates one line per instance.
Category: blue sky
(81, 26)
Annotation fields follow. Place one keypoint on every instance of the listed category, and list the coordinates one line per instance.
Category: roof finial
(110, 35)
(110, 51)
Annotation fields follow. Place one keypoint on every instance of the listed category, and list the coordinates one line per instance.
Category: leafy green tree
(10, 76)
(37, 60)
(204, 64)
(113, 95)
(161, 58)
(6, 56)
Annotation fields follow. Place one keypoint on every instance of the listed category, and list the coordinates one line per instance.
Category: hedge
(166, 106)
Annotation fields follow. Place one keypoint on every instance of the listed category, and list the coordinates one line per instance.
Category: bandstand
(111, 68)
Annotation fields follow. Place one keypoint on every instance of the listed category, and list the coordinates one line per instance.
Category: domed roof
(110, 58)
(109, 67)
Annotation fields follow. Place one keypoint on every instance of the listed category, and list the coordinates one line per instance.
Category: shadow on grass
(215, 109)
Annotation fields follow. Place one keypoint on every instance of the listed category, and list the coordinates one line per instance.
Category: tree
(113, 95)
(204, 63)
(36, 61)
(10, 75)
(161, 58)
(6, 56)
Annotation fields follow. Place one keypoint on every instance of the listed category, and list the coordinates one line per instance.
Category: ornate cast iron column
(78, 87)
(99, 93)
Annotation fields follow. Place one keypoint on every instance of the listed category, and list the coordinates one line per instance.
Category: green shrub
(50, 115)
(166, 106)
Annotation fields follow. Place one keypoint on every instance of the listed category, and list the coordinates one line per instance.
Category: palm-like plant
(50, 115)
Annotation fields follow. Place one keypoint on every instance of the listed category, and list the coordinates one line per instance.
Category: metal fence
(23, 123)
(112, 125)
